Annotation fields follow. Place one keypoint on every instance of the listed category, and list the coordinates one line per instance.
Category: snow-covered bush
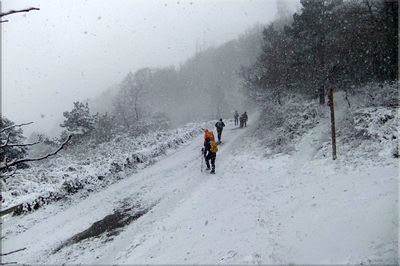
(367, 124)
(369, 127)
(281, 125)
(376, 94)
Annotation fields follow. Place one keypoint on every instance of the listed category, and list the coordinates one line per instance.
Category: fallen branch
(7, 263)
(5, 164)
(11, 252)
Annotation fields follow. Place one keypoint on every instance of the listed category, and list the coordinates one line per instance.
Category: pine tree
(78, 120)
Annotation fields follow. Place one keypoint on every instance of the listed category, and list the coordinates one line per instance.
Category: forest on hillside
(330, 43)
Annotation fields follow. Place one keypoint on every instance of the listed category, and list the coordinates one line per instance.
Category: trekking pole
(201, 158)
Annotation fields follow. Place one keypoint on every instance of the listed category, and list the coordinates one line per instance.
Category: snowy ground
(298, 208)
(90, 167)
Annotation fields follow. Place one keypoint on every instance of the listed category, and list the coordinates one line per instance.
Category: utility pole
(333, 127)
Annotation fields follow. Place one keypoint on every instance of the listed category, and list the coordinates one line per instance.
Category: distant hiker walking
(220, 126)
(243, 119)
(210, 153)
(236, 116)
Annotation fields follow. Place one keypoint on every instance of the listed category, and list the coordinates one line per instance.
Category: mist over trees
(206, 86)
(330, 43)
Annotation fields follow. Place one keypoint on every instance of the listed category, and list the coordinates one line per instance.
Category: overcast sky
(73, 49)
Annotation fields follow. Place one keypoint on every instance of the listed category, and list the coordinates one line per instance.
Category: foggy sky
(74, 49)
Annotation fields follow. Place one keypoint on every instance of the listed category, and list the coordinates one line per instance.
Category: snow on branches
(12, 152)
(16, 11)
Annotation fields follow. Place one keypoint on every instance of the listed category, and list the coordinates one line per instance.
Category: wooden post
(333, 128)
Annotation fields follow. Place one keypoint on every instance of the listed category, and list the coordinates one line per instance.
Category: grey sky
(74, 49)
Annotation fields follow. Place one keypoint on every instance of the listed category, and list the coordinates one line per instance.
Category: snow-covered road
(286, 209)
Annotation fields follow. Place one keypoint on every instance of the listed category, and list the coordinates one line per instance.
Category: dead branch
(8, 263)
(18, 125)
(2, 21)
(18, 11)
(20, 145)
(11, 252)
(6, 164)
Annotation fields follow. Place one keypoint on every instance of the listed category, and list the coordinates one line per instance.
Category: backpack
(214, 147)
(209, 134)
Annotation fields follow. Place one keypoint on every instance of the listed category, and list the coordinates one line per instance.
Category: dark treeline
(330, 43)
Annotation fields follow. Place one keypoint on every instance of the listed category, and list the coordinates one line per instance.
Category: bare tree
(8, 166)
(129, 103)
(137, 91)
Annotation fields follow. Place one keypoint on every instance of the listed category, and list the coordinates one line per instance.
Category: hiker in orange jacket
(210, 153)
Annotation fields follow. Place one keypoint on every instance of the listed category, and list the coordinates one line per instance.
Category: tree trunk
(322, 95)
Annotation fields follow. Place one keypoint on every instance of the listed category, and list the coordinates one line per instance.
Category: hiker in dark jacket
(241, 120)
(245, 119)
(219, 125)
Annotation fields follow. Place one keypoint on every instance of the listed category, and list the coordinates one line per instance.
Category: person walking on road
(236, 116)
(210, 153)
(245, 118)
(220, 126)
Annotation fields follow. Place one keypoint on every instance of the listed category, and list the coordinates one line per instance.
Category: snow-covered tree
(330, 43)
(9, 137)
(13, 152)
(78, 120)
